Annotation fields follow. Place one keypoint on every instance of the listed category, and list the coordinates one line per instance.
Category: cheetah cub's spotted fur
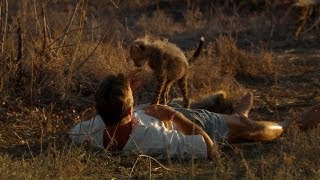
(168, 63)
(217, 102)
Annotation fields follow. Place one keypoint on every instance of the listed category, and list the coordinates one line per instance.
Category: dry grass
(159, 23)
(47, 85)
(236, 62)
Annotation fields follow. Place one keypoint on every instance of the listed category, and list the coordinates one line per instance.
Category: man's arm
(186, 126)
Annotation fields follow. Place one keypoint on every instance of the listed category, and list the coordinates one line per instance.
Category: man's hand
(161, 112)
(185, 125)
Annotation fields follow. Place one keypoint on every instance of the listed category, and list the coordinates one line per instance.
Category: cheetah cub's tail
(196, 54)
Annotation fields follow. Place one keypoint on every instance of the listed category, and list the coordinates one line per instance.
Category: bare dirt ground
(296, 85)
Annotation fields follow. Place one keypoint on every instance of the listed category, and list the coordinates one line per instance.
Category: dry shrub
(56, 66)
(194, 18)
(308, 16)
(221, 22)
(136, 3)
(10, 66)
(8, 71)
(160, 23)
(80, 70)
(204, 78)
(237, 62)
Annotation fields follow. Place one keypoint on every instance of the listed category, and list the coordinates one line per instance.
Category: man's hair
(112, 99)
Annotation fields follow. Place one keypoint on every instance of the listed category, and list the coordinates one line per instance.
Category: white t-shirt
(149, 136)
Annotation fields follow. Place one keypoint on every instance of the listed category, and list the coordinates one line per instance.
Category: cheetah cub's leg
(162, 94)
(159, 90)
(165, 93)
(184, 91)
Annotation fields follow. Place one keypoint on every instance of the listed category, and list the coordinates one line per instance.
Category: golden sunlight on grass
(53, 54)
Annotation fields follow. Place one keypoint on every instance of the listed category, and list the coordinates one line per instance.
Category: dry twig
(68, 27)
(44, 28)
(151, 158)
(4, 31)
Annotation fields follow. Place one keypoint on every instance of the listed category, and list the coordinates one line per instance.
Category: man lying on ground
(163, 130)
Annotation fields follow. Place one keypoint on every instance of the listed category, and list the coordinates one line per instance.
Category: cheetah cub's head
(138, 52)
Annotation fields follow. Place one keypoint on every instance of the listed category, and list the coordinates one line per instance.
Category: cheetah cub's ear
(221, 97)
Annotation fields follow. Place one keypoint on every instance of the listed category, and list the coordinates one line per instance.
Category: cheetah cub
(168, 63)
(217, 102)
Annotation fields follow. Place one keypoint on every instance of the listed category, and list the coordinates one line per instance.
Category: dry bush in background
(223, 64)
(237, 62)
(309, 16)
(194, 18)
(59, 58)
(159, 23)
